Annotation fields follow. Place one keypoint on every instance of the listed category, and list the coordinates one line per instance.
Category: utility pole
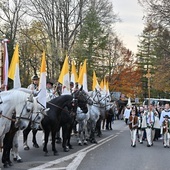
(148, 76)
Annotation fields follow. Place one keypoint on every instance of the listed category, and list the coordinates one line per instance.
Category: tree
(161, 80)
(10, 18)
(153, 53)
(146, 55)
(61, 20)
(93, 39)
(157, 11)
(128, 75)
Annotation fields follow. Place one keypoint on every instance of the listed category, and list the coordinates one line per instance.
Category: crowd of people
(145, 123)
(52, 89)
(148, 123)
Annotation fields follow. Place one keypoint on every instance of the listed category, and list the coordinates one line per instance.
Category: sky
(131, 25)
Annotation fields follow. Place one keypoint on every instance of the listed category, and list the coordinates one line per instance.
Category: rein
(58, 107)
(20, 116)
(13, 120)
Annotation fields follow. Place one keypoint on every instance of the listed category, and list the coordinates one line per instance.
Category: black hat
(71, 83)
(49, 82)
(35, 77)
(166, 116)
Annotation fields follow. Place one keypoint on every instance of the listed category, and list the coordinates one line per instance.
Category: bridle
(20, 115)
(73, 102)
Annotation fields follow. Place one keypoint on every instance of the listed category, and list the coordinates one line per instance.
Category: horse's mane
(14, 95)
(60, 100)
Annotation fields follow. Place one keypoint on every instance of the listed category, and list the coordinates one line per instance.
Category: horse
(110, 116)
(94, 112)
(104, 108)
(82, 119)
(34, 125)
(51, 122)
(13, 101)
(68, 120)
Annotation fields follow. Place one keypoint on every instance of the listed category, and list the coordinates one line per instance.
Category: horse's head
(101, 98)
(97, 97)
(82, 99)
(39, 111)
(24, 113)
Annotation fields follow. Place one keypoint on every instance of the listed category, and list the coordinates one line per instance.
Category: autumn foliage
(127, 79)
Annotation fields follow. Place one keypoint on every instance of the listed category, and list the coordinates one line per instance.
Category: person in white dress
(127, 112)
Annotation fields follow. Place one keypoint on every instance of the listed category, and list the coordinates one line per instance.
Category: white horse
(82, 119)
(18, 102)
(35, 124)
(38, 114)
(87, 122)
(24, 105)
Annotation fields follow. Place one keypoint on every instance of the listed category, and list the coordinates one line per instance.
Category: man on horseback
(35, 83)
(51, 92)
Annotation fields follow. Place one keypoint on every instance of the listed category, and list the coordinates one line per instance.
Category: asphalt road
(113, 152)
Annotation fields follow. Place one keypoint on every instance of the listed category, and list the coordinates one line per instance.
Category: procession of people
(148, 123)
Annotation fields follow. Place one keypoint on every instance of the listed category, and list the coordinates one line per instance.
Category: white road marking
(76, 162)
(78, 157)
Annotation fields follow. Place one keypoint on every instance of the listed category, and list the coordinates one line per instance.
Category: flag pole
(5, 63)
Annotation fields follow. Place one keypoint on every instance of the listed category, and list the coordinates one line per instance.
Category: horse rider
(71, 87)
(51, 92)
(34, 84)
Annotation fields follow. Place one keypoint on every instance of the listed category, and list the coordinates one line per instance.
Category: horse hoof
(46, 154)
(80, 144)
(15, 159)
(35, 145)
(95, 141)
(66, 149)
(85, 143)
(99, 135)
(5, 165)
(56, 154)
(27, 148)
(71, 147)
(10, 163)
(58, 140)
(19, 161)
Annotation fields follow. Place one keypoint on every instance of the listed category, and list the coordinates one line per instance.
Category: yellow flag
(95, 82)
(73, 73)
(43, 63)
(107, 88)
(83, 71)
(102, 85)
(64, 77)
(13, 72)
(14, 61)
(42, 83)
(82, 80)
(80, 70)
